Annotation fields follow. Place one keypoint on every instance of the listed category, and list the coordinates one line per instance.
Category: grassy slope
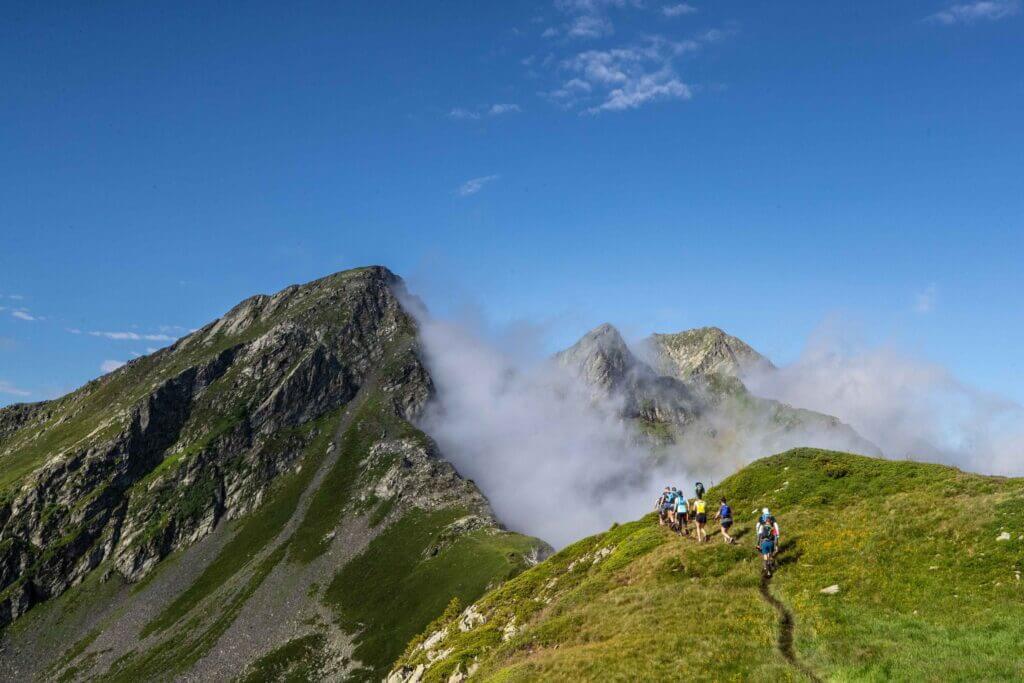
(926, 591)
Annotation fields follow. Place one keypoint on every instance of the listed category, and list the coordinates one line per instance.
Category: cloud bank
(526, 433)
(910, 408)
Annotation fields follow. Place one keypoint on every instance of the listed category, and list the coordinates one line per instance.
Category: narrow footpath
(785, 643)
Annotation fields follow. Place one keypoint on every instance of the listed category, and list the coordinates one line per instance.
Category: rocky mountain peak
(601, 357)
(702, 351)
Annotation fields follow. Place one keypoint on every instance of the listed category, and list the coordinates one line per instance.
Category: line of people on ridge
(675, 511)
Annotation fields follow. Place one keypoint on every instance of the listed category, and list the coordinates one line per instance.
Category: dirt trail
(785, 643)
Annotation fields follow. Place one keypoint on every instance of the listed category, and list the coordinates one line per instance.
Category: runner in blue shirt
(724, 517)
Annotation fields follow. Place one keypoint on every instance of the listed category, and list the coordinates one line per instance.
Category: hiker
(767, 546)
(724, 518)
(767, 521)
(700, 515)
(673, 496)
(662, 506)
(699, 490)
(682, 507)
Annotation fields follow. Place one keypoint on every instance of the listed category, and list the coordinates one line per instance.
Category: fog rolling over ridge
(557, 460)
(548, 459)
(909, 407)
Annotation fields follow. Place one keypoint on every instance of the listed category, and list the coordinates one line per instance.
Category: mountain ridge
(162, 513)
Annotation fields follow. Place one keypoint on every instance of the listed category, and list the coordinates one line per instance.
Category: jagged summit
(602, 357)
(603, 361)
(703, 351)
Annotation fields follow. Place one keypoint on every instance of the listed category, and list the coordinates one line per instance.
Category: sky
(769, 168)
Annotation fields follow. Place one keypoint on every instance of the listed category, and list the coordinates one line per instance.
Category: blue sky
(764, 167)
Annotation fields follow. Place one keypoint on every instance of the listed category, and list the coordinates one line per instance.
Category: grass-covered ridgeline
(926, 589)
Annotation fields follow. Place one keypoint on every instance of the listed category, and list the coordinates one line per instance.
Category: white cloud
(970, 12)
(15, 297)
(132, 336)
(111, 365)
(924, 302)
(22, 314)
(910, 408)
(549, 32)
(588, 19)
(590, 26)
(10, 389)
(678, 10)
(499, 109)
(461, 114)
(625, 78)
(474, 185)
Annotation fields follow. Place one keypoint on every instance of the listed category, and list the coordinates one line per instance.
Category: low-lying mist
(552, 464)
(559, 465)
(910, 408)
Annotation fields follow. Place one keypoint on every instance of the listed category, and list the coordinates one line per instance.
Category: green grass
(398, 585)
(299, 659)
(926, 591)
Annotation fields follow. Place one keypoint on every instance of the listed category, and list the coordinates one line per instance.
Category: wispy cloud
(507, 108)
(624, 78)
(474, 185)
(588, 19)
(678, 10)
(970, 12)
(111, 365)
(126, 336)
(11, 390)
(22, 314)
(924, 301)
(475, 114)
(461, 114)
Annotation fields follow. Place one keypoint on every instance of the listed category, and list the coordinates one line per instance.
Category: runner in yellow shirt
(700, 515)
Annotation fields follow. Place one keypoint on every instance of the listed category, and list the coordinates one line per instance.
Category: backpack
(766, 532)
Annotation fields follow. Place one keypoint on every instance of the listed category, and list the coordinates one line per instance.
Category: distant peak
(705, 350)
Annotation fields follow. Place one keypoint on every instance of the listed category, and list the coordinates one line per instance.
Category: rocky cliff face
(290, 415)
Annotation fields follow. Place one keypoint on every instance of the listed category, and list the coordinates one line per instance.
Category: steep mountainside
(706, 414)
(888, 571)
(703, 351)
(253, 499)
